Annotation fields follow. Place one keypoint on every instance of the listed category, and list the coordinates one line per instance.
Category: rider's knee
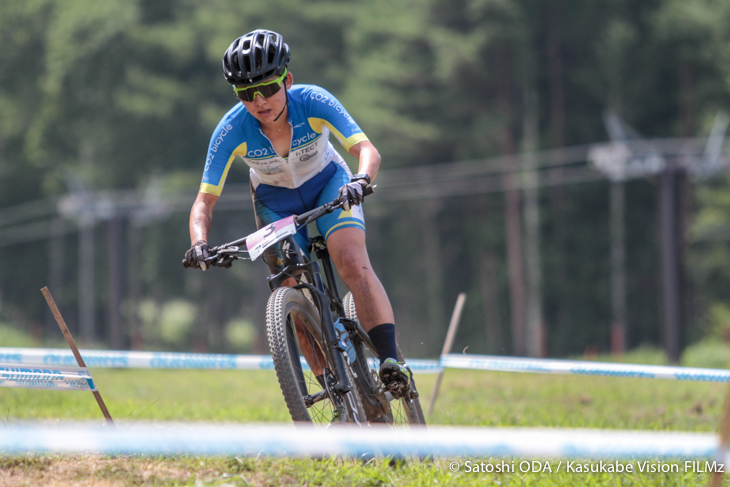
(354, 266)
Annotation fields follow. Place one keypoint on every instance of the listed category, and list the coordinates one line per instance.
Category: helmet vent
(259, 60)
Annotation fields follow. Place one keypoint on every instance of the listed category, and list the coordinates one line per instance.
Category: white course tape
(174, 360)
(128, 359)
(75, 378)
(288, 440)
(576, 367)
(160, 360)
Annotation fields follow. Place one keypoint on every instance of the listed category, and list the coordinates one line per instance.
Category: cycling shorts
(272, 203)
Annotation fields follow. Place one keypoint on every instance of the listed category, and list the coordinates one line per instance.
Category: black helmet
(254, 57)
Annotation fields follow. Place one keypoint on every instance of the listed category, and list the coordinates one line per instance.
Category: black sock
(383, 337)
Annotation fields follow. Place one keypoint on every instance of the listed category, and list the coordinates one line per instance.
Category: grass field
(467, 398)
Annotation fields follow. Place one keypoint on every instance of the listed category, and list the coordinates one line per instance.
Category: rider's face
(265, 110)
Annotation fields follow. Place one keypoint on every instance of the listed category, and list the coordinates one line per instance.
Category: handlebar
(230, 249)
(327, 208)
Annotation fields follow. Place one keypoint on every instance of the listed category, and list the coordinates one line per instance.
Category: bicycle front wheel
(295, 340)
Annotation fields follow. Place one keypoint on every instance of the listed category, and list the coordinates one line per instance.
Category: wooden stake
(453, 326)
(71, 343)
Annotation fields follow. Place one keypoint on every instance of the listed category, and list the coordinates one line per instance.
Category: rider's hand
(196, 255)
(351, 194)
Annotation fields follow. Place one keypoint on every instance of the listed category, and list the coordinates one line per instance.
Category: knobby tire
(287, 312)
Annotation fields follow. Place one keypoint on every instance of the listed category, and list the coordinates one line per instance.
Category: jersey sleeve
(222, 150)
(323, 109)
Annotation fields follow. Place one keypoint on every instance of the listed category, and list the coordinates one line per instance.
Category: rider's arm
(201, 217)
(368, 156)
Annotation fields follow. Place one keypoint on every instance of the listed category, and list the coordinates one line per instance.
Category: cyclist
(281, 131)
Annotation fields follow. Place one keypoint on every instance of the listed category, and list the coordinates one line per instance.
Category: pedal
(397, 391)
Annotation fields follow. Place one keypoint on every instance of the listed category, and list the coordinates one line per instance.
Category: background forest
(106, 109)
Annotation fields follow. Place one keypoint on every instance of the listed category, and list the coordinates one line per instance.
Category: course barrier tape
(75, 378)
(288, 440)
(176, 360)
(577, 367)
(161, 360)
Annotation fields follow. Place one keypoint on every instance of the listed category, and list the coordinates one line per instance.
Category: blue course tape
(577, 367)
(174, 360)
(160, 360)
(38, 377)
(288, 440)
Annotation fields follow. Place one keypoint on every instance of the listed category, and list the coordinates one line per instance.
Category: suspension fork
(320, 248)
(329, 335)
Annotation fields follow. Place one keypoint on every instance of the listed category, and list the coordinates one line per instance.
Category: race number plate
(269, 235)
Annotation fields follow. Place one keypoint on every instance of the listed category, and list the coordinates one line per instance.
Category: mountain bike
(325, 362)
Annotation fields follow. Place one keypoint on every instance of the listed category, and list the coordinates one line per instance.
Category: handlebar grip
(369, 189)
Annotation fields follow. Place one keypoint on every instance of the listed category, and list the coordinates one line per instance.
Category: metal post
(87, 287)
(671, 293)
(618, 267)
(134, 285)
(115, 256)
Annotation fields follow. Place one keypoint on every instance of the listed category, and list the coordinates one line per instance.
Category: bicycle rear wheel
(404, 411)
(294, 333)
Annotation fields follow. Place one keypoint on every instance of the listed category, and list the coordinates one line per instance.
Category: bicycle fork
(333, 351)
(329, 334)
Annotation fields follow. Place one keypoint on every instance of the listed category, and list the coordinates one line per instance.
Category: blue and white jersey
(313, 114)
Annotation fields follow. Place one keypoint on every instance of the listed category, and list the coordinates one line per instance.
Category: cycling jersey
(313, 114)
(273, 203)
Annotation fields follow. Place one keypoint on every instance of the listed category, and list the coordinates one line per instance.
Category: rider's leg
(349, 255)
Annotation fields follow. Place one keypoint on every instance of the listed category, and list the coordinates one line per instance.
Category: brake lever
(217, 252)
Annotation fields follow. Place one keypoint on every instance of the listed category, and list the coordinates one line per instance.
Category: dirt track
(96, 471)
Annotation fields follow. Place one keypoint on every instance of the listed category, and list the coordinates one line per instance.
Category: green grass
(467, 398)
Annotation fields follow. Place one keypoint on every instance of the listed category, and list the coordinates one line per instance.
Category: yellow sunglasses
(267, 89)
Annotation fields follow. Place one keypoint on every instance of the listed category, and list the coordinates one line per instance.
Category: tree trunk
(432, 263)
(557, 131)
(490, 301)
(536, 335)
(513, 222)
(555, 73)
